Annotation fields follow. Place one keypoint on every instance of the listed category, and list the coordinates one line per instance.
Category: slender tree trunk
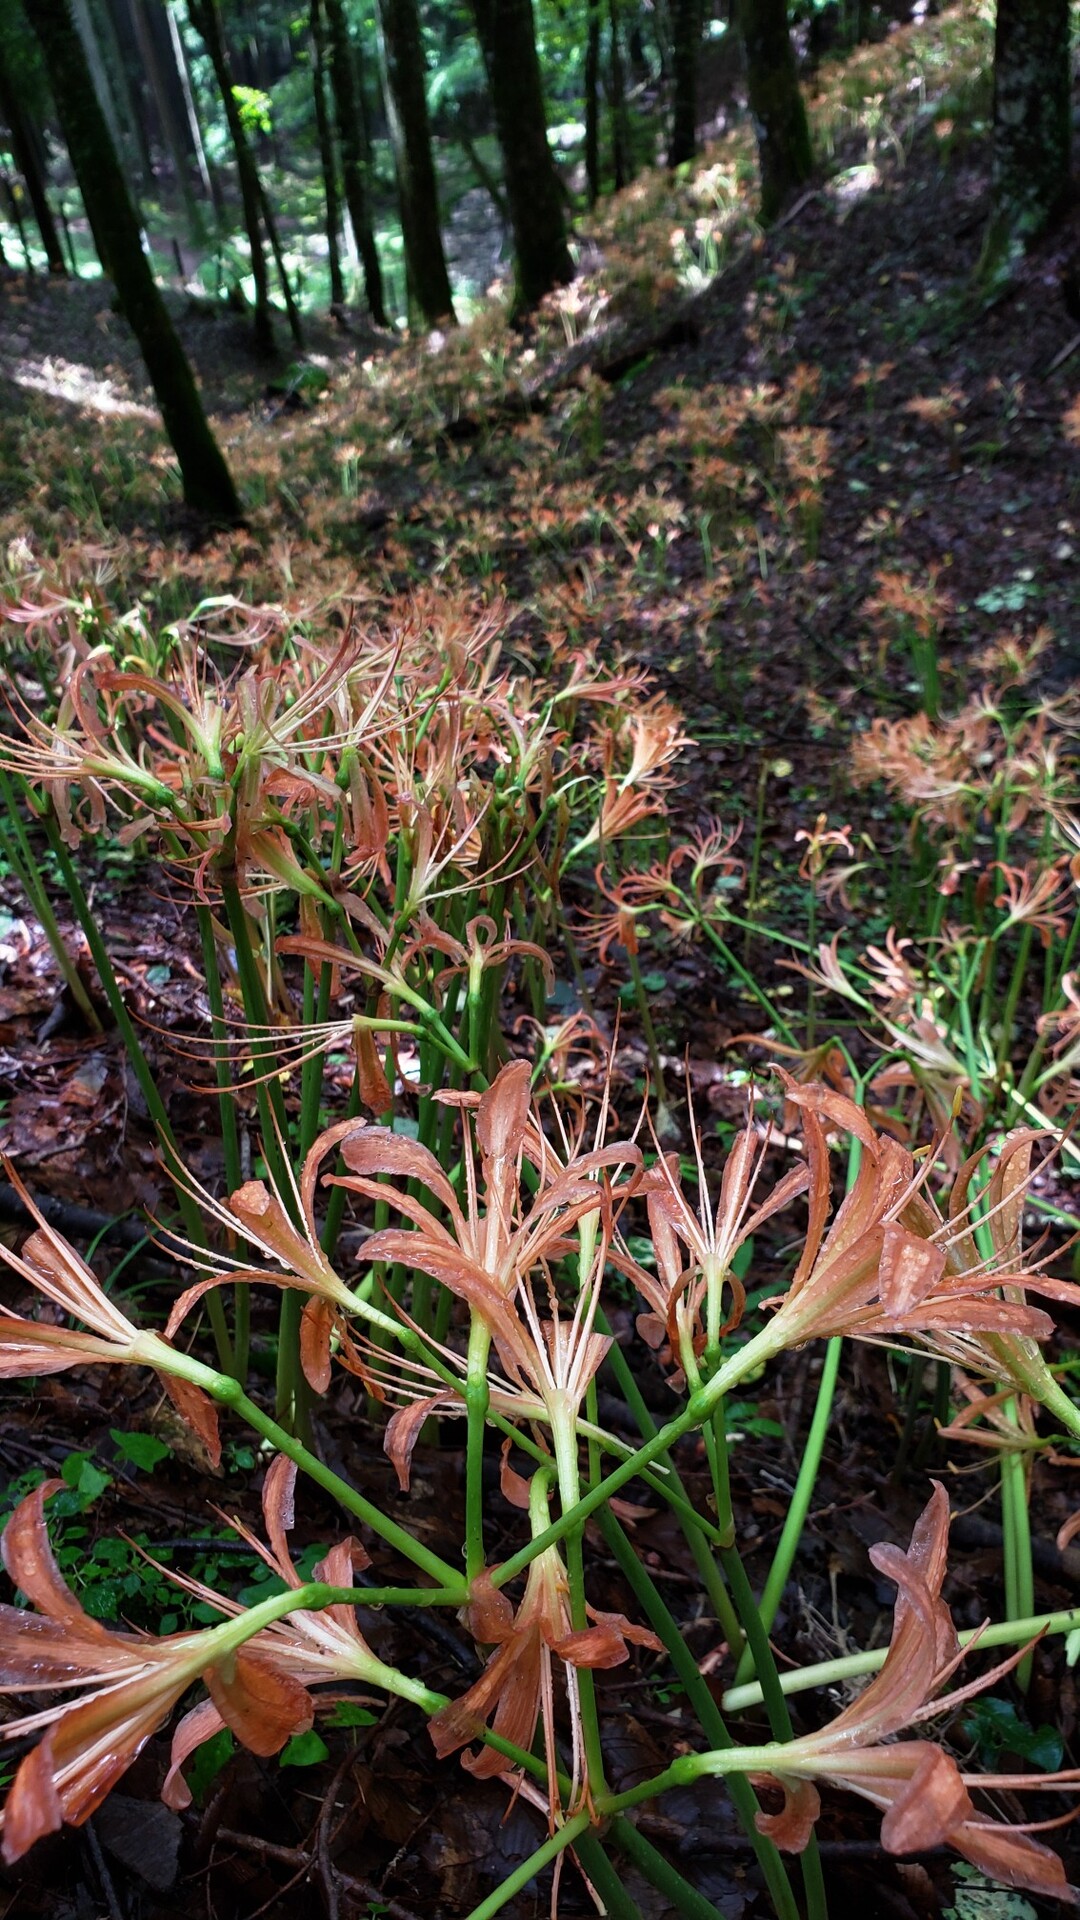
(686, 33)
(210, 186)
(592, 103)
(327, 154)
(11, 195)
(26, 151)
(490, 182)
(406, 105)
(620, 129)
(783, 136)
(270, 223)
(1032, 126)
(349, 113)
(206, 19)
(508, 41)
(207, 483)
(115, 96)
(173, 125)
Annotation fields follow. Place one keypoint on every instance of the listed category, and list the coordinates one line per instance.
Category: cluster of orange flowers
(892, 1265)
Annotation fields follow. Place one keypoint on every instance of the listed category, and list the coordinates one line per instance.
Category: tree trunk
(592, 103)
(209, 180)
(327, 154)
(207, 482)
(686, 37)
(349, 113)
(172, 118)
(11, 196)
(123, 118)
(206, 19)
(291, 308)
(622, 166)
(508, 42)
(26, 151)
(410, 134)
(1032, 125)
(783, 137)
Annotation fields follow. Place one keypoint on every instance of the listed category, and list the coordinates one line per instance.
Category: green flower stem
(517, 1881)
(795, 1520)
(230, 1139)
(293, 1399)
(747, 979)
(852, 1666)
(641, 1000)
(272, 1117)
(697, 1531)
(477, 1399)
(1012, 996)
(230, 1394)
(1035, 1058)
(704, 1706)
(758, 1645)
(698, 1409)
(335, 1206)
(316, 1012)
(1016, 1527)
(99, 953)
(408, 1597)
(667, 1879)
(617, 1902)
(694, 1524)
(564, 1436)
(19, 854)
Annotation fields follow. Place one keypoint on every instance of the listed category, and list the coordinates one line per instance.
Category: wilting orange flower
(517, 1686)
(922, 1794)
(307, 1646)
(1037, 896)
(106, 1336)
(893, 1267)
(487, 1251)
(710, 1238)
(258, 1211)
(134, 1680)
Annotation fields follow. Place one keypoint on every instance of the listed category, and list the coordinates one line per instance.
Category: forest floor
(711, 482)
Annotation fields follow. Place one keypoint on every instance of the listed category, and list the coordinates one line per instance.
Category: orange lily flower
(919, 1788)
(517, 1686)
(893, 1267)
(106, 1336)
(134, 1680)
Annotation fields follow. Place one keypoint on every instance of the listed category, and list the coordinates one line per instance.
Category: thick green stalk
(799, 1505)
(617, 1902)
(477, 1399)
(667, 1879)
(704, 1706)
(1016, 1529)
(230, 1140)
(852, 1666)
(565, 1443)
(19, 854)
(517, 1881)
(346, 1496)
(700, 1534)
